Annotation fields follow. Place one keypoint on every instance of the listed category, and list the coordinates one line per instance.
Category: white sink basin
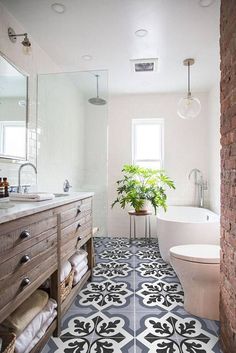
(60, 195)
(6, 205)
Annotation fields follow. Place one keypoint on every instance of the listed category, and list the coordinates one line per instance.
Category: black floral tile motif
(145, 243)
(118, 243)
(172, 334)
(105, 294)
(111, 270)
(108, 335)
(119, 254)
(149, 254)
(97, 242)
(103, 316)
(161, 295)
(156, 270)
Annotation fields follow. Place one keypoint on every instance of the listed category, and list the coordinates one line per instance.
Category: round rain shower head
(97, 100)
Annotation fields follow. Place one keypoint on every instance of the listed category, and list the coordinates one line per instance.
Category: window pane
(14, 141)
(147, 141)
(150, 164)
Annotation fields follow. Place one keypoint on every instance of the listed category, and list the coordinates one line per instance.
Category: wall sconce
(25, 42)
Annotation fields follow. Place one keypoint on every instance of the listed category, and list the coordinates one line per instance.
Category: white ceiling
(105, 29)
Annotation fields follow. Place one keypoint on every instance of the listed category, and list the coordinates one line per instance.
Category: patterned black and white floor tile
(134, 304)
(94, 333)
(167, 332)
(159, 295)
(112, 269)
(102, 295)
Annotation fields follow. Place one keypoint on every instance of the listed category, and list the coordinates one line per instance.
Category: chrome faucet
(66, 186)
(19, 173)
(200, 184)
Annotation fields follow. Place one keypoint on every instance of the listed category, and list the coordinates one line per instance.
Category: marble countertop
(11, 210)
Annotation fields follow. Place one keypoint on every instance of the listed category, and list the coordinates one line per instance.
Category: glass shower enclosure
(72, 136)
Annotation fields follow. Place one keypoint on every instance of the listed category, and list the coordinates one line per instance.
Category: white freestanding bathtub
(182, 225)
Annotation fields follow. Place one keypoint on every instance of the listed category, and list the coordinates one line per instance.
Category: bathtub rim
(215, 218)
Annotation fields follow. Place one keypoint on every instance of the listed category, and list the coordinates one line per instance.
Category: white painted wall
(185, 147)
(37, 62)
(214, 148)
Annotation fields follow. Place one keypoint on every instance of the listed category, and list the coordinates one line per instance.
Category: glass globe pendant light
(188, 107)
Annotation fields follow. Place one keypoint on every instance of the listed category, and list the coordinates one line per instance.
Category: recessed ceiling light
(141, 33)
(58, 8)
(206, 3)
(87, 57)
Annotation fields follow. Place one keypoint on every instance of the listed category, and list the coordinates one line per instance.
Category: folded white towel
(30, 196)
(40, 333)
(79, 275)
(65, 270)
(81, 266)
(33, 330)
(79, 256)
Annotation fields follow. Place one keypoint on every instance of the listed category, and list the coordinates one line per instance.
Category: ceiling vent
(144, 65)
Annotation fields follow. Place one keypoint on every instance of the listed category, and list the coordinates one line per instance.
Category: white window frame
(3, 125)
(136, 122)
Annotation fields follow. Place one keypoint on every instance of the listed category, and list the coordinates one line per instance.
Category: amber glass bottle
(2, 189)
(6, 187)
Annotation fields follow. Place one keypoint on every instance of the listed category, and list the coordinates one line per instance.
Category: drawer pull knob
(78, 226)
(78, 240)
(25, 234)
(25, 259)
(78, 210)
(25, 282)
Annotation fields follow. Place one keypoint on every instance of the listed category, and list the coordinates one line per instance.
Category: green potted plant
(140, 185)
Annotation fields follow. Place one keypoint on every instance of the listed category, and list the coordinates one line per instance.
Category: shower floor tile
(134, 304)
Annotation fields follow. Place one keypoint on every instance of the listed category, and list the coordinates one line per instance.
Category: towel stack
(65, 270)
(31, 320)
(79, 262)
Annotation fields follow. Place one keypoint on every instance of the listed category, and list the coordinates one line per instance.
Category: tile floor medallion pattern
(133, 304)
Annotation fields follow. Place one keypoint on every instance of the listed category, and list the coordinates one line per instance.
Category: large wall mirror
(13, 111)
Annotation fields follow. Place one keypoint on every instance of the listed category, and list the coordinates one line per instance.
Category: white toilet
(198, 269)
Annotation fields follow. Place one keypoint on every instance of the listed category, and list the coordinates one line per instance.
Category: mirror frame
(16, 158)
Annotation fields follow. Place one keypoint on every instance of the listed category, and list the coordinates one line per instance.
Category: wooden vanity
(35, 239)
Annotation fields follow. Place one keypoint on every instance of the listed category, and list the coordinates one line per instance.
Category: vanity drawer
(17, 236)
(19, 289)
(26, 260)
(73, 237)
(76, 211)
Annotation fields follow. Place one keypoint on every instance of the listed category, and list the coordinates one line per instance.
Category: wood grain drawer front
(73, 236)
(22, 238)
(26, 260)
(76, 211)
(19, 289)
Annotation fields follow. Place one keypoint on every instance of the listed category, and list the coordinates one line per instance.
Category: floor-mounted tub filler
(182, 225)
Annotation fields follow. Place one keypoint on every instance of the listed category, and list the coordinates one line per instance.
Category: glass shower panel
(72, 137)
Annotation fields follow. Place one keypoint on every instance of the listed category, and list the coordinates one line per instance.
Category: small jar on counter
(6, 187)
(2, 189)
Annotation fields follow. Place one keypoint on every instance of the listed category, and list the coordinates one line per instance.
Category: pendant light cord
(189, 92)
(97, 86)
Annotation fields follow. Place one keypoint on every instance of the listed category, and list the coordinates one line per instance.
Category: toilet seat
(200, 253)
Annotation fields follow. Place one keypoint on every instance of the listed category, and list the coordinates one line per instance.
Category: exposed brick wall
(228, 175)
